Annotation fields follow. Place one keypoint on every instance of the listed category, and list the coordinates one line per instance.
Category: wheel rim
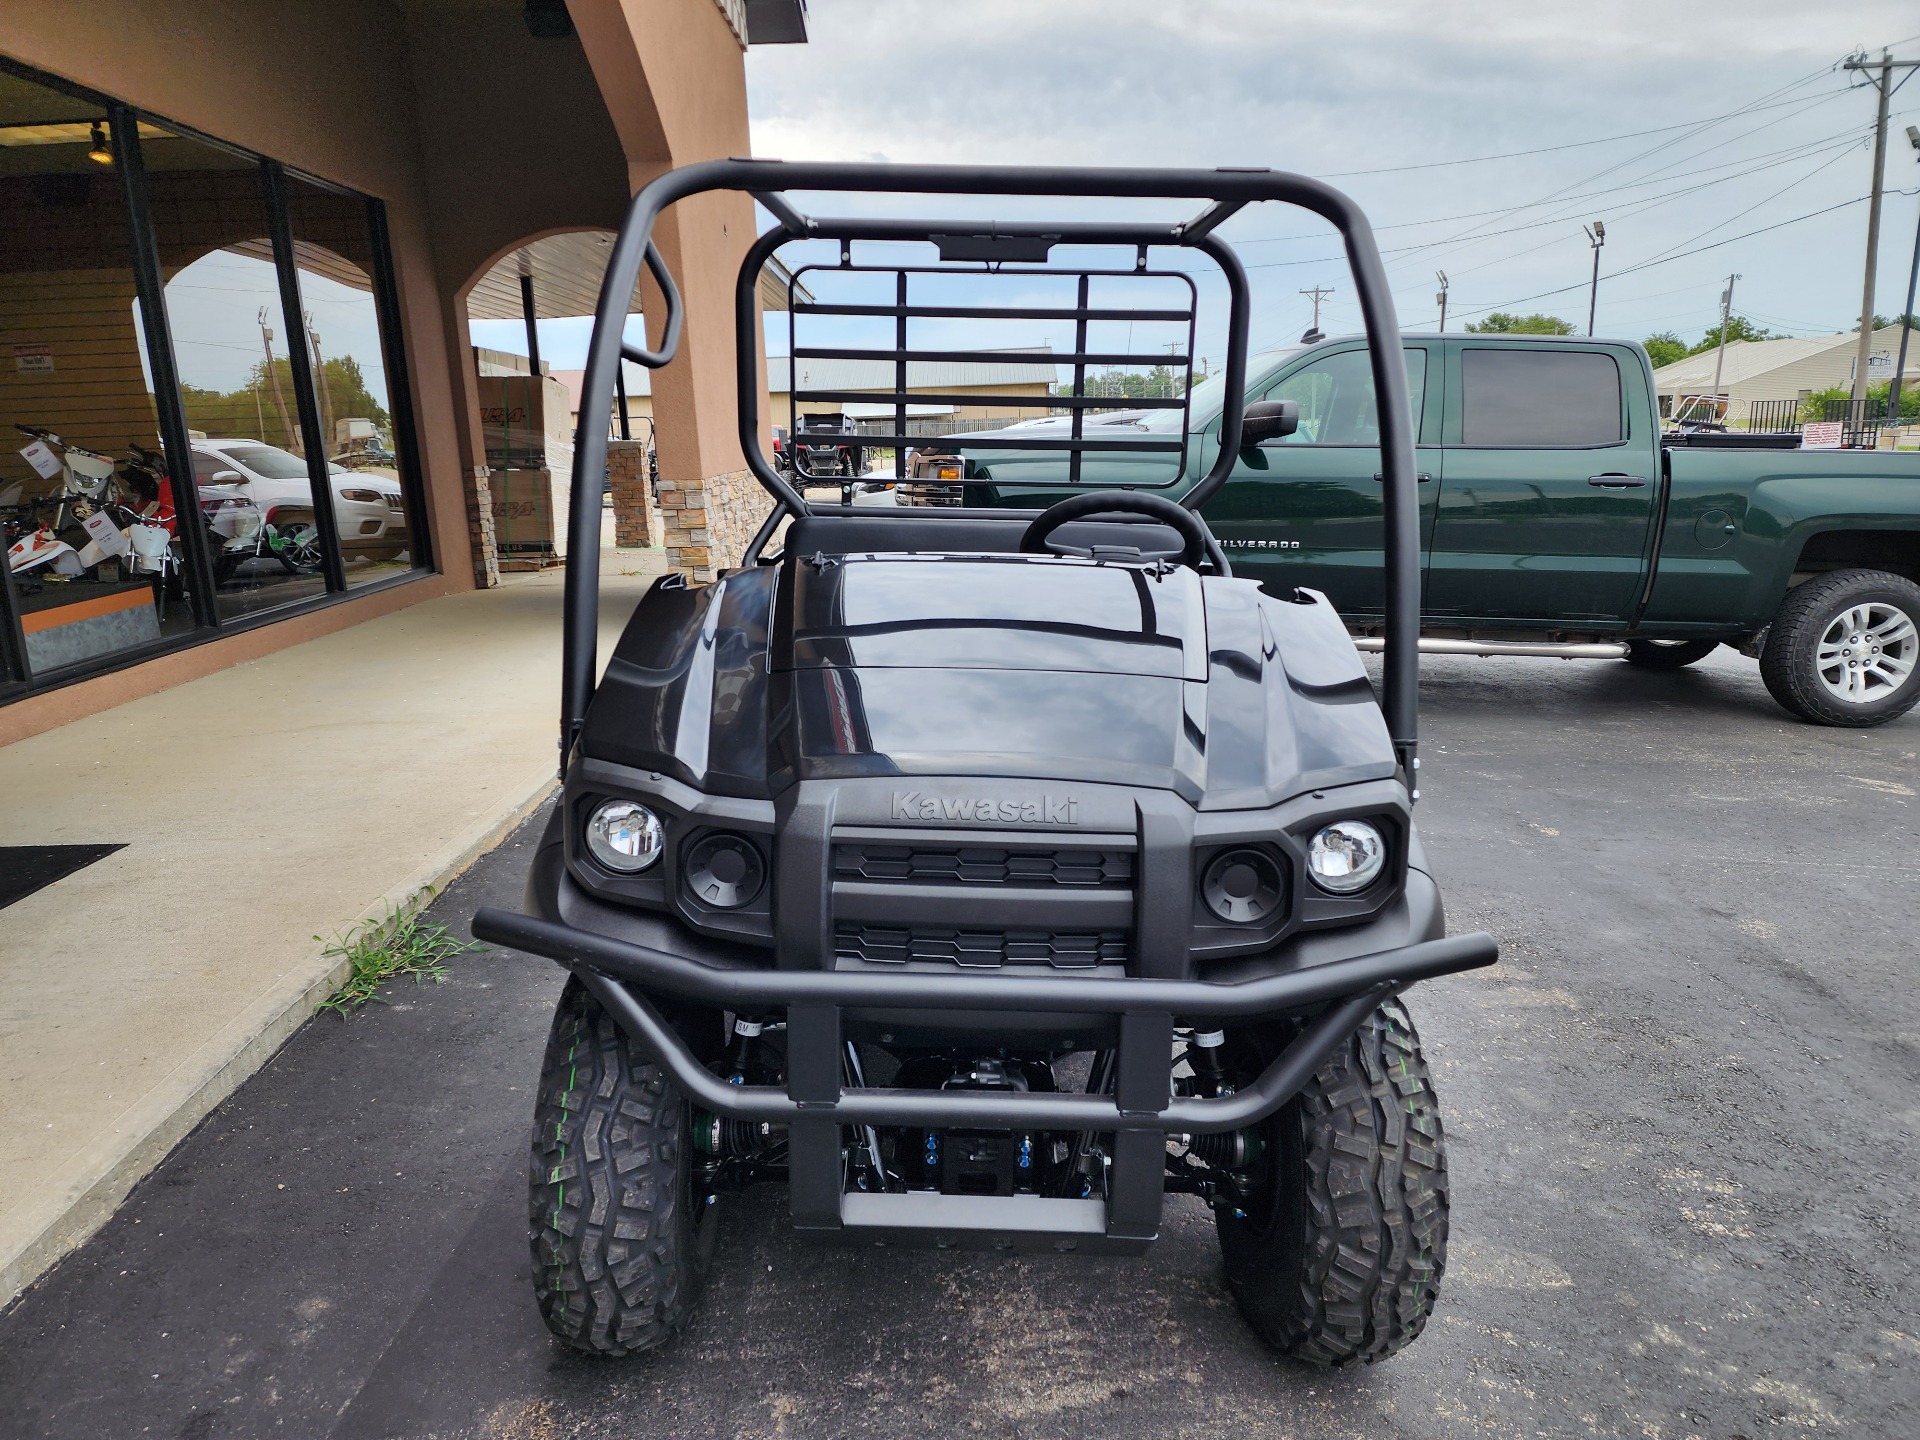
(1867, 652)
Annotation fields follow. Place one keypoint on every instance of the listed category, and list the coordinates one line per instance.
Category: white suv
(370, 510)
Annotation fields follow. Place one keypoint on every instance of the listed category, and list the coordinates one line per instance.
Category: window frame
(17, 680)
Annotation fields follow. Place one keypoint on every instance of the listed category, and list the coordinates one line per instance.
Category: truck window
(1335, 396)
(1539, 399)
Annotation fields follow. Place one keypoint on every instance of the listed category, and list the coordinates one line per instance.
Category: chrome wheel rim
(1867, 652)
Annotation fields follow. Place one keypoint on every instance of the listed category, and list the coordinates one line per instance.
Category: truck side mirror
(1268, 420)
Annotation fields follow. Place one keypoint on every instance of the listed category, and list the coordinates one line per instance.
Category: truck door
(1306, 509)
(1547, 493)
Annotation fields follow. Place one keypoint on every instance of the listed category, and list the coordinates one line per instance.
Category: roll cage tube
(1228, 189)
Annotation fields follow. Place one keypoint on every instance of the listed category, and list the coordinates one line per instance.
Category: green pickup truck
(1556, 518)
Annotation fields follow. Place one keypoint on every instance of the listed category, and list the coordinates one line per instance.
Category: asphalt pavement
(1683, 1138)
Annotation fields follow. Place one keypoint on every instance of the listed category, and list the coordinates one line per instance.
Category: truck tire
(619, 1243)
(1337, 1258)
(1845, 649)
(1668, 654)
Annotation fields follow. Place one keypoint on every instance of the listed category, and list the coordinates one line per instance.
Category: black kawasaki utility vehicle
(986, 876)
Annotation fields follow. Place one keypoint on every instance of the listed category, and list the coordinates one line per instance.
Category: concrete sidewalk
(259, 806)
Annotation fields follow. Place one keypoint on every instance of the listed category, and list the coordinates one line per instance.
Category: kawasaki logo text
(1047, 810)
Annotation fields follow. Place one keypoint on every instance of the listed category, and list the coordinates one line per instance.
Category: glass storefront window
(333, 250)
(230, 339)
(95, 559)
(119, 231)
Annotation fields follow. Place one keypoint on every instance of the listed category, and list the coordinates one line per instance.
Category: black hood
(993, 665)
(989, 665)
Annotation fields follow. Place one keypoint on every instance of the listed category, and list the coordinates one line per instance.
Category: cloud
(1332, 87)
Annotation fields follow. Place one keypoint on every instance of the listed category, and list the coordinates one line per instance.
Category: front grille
(980, 949)
(981, 865)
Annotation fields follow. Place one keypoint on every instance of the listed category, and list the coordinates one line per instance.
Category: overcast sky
(1330, 88)
(1752, 124)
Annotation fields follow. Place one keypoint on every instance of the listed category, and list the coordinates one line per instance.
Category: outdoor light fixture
(100, 153)
(1346, 856)
(625, 837)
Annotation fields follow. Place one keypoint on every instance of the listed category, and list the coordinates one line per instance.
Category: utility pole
(1318, 294)
(327, 417)
(1442, 298)
(1883, 82)
(1906, 315)
(1596, 236)
(1726, 315)
(294, 444)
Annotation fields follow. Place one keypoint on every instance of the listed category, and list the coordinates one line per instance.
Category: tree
(1502, 323)
(1129, 385)
(1665, 348)
(1824, 404)
(1738, 328)
(252, 410)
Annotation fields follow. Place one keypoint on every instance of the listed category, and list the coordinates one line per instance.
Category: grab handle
(676, 314)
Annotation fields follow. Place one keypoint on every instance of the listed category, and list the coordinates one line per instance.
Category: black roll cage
(1228, 189)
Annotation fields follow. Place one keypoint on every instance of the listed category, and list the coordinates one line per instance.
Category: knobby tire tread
(1352, 1269)
(613, 1256)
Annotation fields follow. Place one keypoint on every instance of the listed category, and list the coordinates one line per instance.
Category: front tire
(1668, 654)
(1845, 649)
(1337, 1256)
(620, 1240)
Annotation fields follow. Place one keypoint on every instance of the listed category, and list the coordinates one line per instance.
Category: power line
(1565, 200)
(1791, 184)
(1551, 149)
(1669, 259)
(1639, 206)
(1783, 156)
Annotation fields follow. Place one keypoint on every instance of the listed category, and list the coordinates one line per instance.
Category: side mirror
(226, 477)
(1268, 420)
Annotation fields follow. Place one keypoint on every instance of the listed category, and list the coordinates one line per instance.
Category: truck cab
(1555, 517)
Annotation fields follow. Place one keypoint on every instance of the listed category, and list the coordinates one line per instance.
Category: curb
(101, 1177)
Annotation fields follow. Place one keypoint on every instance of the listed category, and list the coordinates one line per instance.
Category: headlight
(364, 497)
(1346, 856)
(625, 837)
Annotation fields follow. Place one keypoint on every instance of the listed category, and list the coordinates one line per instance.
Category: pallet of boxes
(529, 443)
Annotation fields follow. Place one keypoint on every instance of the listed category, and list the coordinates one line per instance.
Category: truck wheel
(1845, 649)
(1336, 1258)
(1668, 654)
(619, 1240)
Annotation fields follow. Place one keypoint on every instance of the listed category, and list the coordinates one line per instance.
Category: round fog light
(1242, 887)
(724, 870)
(1346, 856)
(625, 837)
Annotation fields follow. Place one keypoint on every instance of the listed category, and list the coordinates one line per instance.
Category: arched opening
(528, 317)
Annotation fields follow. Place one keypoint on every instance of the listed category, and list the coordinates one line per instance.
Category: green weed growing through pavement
(400, 943)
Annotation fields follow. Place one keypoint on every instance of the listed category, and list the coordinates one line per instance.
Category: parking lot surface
(1682, 1113)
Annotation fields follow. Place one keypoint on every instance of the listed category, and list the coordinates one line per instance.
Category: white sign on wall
(33, 359)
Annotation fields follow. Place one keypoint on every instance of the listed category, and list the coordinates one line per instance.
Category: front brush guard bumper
(1140, 1113)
